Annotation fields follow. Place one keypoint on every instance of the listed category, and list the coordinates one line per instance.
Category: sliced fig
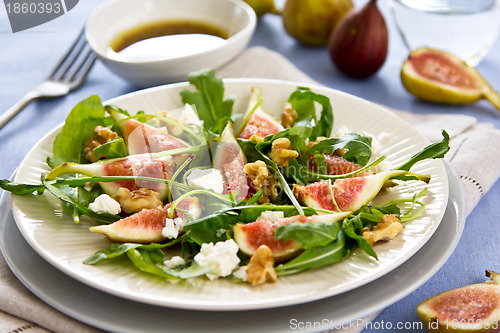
(260, 124)
(474, 308)
(135, 165)
(349, 193)
(230, 160)
(336, 165)
(261, 232)
(147, 225)
(438, 76)
(142, 138)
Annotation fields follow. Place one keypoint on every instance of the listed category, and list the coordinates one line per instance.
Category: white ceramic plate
(47, 226)
(115, 314)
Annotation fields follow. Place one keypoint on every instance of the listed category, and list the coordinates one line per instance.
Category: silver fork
(68, 75)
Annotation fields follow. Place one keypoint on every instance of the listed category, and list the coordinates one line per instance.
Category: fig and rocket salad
(205, 191)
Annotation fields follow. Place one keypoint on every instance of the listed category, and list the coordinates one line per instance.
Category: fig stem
(493, 97)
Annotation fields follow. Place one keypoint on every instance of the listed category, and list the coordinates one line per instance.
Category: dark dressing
(166, 39)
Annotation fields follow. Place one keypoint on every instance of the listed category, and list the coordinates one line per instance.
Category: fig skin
(358, 45)
(312, 21)
(433, 311)
(453, 81)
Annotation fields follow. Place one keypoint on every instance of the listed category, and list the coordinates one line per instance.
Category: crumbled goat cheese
(188, 116)
(222, 258)
(241, 273)
(174, 262)
(271, 216)
(171, 228)
(210, 179)
(105, 204)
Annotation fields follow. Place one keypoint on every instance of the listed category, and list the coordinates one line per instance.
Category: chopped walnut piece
(172, 128)
(288, 116)
(388, 228)
(262, 179)
(100, 136)
(261, 267)
(281, 152)
(137, 200)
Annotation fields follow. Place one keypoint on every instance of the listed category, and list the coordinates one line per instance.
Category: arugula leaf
(190, 272)
(66, 194)
(209, 100)
(111, 149)
(318, 256)
(117, 249)
(18, 188)
(303, 102)
(349, 229)
(143, 260)
(432, 151)
(81, 121)
(308, 234)
(358, 147)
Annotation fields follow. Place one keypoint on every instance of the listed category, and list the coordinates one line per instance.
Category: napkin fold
(472, 156)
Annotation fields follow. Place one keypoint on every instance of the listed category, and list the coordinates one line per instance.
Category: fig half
(438, 76)
(474, 308)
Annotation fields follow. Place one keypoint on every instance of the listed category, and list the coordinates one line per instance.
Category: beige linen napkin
(472, 156)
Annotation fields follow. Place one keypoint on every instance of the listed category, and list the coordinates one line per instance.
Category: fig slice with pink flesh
(230, 160)
(260, 123)
(251, 235)
(438, 76)
(143, 138)
(474, 308)
(135, 165)
(349, 193)
(147, 225)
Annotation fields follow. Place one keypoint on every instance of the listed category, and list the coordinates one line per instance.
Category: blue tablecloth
(28, 56)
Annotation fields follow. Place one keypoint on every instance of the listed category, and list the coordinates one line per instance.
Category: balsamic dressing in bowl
(166, 40)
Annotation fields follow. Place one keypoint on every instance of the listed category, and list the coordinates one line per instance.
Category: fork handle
(21, 104)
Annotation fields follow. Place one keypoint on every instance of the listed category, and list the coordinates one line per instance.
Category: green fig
(312, 21)
(438, 76)
(474, 308)
(262, 7)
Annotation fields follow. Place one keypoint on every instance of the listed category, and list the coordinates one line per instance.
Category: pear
(312, 21)
(262, 7)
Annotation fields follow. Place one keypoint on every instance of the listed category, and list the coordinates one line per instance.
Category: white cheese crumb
(88, 187)
(188, 116)
(241, 273)
(171, 228)
(210, 179)
(174, 262)
(271, 216)
(221, 258)
(105, 204)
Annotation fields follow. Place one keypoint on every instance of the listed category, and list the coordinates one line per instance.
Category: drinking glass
(466, 28)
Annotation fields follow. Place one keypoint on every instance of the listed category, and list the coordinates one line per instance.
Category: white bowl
(114, 17)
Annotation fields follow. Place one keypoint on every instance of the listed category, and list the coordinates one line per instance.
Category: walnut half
(288, 116)
(388, 228)
(100, 136)
(261, 267)
(281, 152)
(137, 200)
(262, 179)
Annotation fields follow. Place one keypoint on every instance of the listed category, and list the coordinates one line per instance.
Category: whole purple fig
(358, 45)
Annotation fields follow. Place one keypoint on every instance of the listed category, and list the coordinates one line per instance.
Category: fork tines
(75, 64)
